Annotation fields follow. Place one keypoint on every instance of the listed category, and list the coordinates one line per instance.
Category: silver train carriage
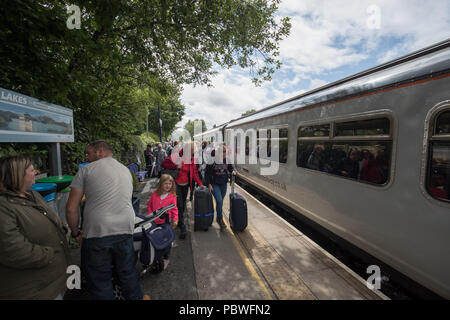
(214, 135)
(367, 158)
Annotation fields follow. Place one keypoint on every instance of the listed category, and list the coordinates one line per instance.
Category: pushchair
(151, 243)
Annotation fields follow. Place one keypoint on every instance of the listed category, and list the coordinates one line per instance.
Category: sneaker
(183, 231)
(166, 263)
(221, 224)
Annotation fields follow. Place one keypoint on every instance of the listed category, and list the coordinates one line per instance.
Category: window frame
(445, 136)
(281, 126)
(332, 138)
(429, 139)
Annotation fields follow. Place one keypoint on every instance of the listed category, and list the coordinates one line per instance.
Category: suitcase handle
(231, 202)
(232, 183)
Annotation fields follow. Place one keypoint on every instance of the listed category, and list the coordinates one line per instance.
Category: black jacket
(218, 173)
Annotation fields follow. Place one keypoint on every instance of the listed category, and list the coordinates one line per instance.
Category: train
(366, 158)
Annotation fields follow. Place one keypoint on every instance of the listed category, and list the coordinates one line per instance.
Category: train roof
(213, 130)
(425, 63)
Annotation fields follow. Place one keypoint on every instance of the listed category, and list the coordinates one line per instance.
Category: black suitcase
(203, 209)
(238, 210)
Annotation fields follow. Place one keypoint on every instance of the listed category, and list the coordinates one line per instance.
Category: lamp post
(160, 123)
(148, 114)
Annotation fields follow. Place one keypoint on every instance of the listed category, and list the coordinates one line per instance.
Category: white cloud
(232, 95)
(326, 35)
(317, 83)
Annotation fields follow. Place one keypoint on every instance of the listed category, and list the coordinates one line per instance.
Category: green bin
(62, 192)
(62, 182)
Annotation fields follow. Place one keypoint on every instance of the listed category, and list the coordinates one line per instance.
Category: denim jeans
(219, 192)
(101, 257)
(182, 192)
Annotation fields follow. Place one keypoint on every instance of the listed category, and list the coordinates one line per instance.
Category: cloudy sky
(329, 40)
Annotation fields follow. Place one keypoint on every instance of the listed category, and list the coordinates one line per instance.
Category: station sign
(27, 119)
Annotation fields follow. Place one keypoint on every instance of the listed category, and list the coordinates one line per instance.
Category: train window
(283, 134)
(438, 178)
(247, 145)
(443, 123)
(372, 127)
(366, 161)
(364, 155)
(257, 143)
(314, 131)
(283, 150)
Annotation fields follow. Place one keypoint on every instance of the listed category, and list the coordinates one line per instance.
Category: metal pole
(160, 123)
(55, 154)
(147, 124)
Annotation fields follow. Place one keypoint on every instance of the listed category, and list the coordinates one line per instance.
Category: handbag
(156, 241)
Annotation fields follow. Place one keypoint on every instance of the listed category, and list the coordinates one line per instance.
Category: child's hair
(165, 177)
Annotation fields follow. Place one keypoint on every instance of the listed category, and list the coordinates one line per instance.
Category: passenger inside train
(361, 162)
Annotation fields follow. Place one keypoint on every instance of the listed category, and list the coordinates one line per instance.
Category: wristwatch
(77, 235)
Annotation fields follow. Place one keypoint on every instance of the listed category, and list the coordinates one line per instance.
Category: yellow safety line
(245, 258)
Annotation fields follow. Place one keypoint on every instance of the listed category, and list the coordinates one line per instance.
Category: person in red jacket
(436, 187)
(164, 195)
(186, 174)
(371, 170)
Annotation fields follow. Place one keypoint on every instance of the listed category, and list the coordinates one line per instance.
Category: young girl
(164, 195)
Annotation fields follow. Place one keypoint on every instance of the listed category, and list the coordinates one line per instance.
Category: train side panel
(397, 223)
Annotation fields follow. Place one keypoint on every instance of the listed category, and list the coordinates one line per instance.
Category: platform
(292, 265)
(270, 260)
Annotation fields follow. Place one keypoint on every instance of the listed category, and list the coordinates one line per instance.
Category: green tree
(181, 40)
(131, 56)
(190, 126)
(249, 112)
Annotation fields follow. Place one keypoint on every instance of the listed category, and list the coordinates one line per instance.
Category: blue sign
(27, 119)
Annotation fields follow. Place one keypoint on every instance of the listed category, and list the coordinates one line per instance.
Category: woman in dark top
(350, 165)
(217, 178)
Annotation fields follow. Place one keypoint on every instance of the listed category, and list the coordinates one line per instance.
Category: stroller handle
(155, 215)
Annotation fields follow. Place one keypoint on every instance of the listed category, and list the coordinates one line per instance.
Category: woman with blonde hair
(186, 175)
(33, 245)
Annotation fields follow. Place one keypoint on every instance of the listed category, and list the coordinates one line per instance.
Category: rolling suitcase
(203, 209)
(238, 210)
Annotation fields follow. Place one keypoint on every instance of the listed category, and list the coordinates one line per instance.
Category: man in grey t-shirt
(108, 187)
(108, 223)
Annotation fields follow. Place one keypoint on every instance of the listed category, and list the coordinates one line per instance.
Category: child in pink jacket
(164, 195)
